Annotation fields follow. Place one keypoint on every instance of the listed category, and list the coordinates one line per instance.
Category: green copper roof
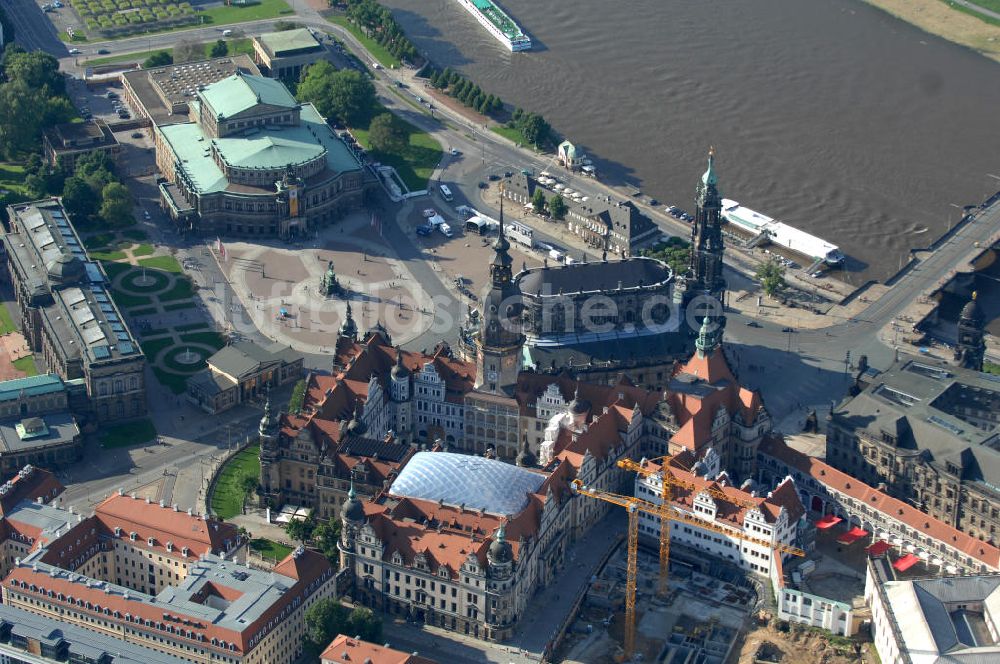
(241, 92)
(709, 177)
(193, 157)
(279, 43)
(259, 147)
(31, 386)
(266, 150)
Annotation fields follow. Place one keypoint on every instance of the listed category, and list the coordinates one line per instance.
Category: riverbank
(937, 18)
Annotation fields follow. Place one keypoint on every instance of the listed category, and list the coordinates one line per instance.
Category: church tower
(500, 342)
(971, 345)
(270, 480)
(704, 277)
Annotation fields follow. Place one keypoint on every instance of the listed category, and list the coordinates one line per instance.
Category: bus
(445, 192)
(519, 233)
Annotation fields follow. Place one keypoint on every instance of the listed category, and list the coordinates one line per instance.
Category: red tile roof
(891, 507)
(444, 534)
(345, 650)
(30, 483)
(198, 534)
(695, 410)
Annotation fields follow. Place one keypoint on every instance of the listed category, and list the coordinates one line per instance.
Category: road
(813, 375)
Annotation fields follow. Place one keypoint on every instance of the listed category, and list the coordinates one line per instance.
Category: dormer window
(150, 541)
(170, 546)
(185, 551)
(118, 531)
(132, 535)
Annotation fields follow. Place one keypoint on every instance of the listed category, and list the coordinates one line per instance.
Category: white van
(445, 192)
(445, 230)
(227, 33)
(556, 255)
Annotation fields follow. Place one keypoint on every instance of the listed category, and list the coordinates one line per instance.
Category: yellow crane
(636, 505)
(669, 481)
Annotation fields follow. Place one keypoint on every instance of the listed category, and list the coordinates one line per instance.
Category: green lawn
(114, 255)
(26, 365)
(385, 58)
(165, 263)
(99, 242)
(238, 14)
(510, 134)
(129, 301)
(143, 249)
(127, 434)
(213, 339)
(417, 161)
(182, 290)
(12, 178)
(270, 549)
(227, 495)
(153, 347)
(114, 269)
(6, 321)
(236, 46)
(177, 306)
(77, 37)
(986, 4)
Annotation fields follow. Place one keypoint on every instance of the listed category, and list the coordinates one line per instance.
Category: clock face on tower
(492, 375)
(509, 361)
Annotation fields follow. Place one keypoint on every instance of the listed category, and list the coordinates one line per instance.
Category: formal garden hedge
(118, 17)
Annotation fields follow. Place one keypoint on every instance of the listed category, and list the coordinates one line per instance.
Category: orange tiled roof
(345, 650)
(893, 508)
(29, 485)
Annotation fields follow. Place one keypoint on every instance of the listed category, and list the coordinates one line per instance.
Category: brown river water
(826, 114)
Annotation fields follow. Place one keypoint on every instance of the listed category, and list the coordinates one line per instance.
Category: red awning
(878, 548)
(852, 535)
(828, 521)
(906, 562)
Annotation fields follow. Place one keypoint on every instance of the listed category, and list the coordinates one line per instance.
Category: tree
(37, 69)
(538, 200)
(771, 275)
(282, 26)
(188, 51)
(248, 485)
(534, 128)
(301, 530)
(387, 133)
(20, 120)
(325, 537)
(675, 252)
(364, 623)
(326, 618)
(557, 207)
(345, 94)
(78, 198)
(219, 49)
(116, 205)
(158, 59)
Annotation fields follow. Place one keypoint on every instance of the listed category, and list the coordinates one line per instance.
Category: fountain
(144, 280)
(187, 357)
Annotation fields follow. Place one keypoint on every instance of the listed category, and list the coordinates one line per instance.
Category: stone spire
(525, 458)
(971, 347)
(709, 337)
(267, 422)
(704, 276)
(349, 328)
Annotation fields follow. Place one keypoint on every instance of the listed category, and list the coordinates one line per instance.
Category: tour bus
(445, 192)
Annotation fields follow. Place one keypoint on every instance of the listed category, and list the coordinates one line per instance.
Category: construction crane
(635, 506)
(669, 481)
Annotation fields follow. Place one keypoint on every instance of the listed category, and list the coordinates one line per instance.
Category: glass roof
(478, 483)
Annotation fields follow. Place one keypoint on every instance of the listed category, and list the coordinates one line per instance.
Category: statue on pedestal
(328, 284)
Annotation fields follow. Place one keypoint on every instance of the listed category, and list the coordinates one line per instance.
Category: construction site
(698, 620)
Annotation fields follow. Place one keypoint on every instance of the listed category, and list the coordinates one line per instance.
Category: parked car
(654, 202)
(103, 51)
(445, 230)
(110, 94)
(788, 329)
(494, 177)
(483, 185)
(753, 323)
(454, 152)
(425, 230)
(74, 51)
(429, 212)
(145, 215)
(137, 134)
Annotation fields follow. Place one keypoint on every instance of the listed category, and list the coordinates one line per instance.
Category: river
(829, 115)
